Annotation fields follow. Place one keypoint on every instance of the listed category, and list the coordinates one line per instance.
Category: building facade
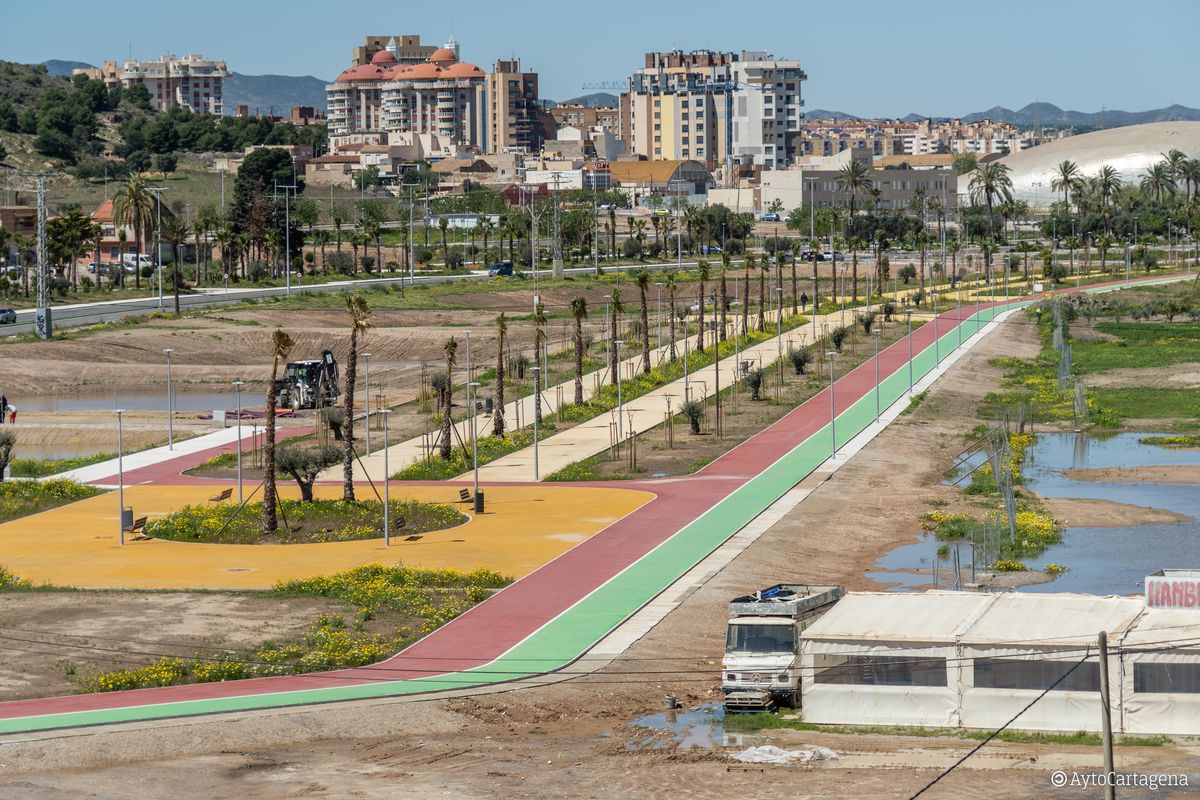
(717, 108)
(516, 120)
(405, 49)
(191, 82)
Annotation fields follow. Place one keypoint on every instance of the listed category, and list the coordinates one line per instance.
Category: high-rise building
(405, 49)
(715, 107)
(191, 82)
(515, 118)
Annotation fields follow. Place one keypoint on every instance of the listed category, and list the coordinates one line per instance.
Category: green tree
(498, 411)
(579, 311)
(991, 182)
(854, 179)
(1066, 179)
(613, 360)
(360, 321)
(445, 443)
(304, 464)
(133, 207)
(642, 279)
(175, 231)
(281, 345)
(702, 271)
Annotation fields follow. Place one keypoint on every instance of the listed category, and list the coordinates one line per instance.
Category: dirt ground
(1152, 474)
(572, 739)
(1107, 514)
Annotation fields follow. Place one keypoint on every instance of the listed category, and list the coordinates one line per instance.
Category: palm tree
(486, 227)
(642, 279)
(443, 224)
(1175, 160)
(133, 206)
(612, 233)
(1104, 243)
(281, 344)
(795, 281)
(1066, 180)
(539, 348)
(1190, 172)
(763, 268)
(498, 409)
(748, 267)
(639, 233)
(854, 178)
(617, 308)
(208, 219)
(671, 280)
(723, 297)
(338, 217)
(1159, 181)
(122, 237)
(445, 444)
(855, 244)
(990, 182)
(175, 230)
(702, 270)
(579, 311)
(360, 321)
(1105, 186)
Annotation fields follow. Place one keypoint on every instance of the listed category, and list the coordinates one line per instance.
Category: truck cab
(761, 667)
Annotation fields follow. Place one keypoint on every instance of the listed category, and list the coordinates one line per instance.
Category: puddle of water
(702, 728)
(150, 399)
(1099, 560)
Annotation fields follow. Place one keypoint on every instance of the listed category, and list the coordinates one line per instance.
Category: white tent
(950, 659)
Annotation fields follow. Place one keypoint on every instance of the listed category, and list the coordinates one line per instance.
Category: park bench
(136, 530)
(221, 497)
(464, 496)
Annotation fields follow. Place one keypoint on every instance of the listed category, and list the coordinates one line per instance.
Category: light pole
(387, 507)
(237, 395)
(658, 318)
(473, 389)
(287, 234)
(778, 339)
(832, 354)
(908, 319)
(812, 243)
(877, 375)
(158, 240)
(367, 371)
(120, 476)
(170, 402)
(617, 350)
(536, 477)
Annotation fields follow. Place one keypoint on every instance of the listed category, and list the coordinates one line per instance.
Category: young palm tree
(795, 282)
(642, 279)
(854, 179)
(612, 233)
(445, 443)
(498, 410)
(175, 230)
(122, 237)
(1105, 186)
(1190, 172)
(748, 267)
(133, 206)
(360, 321)
(1066, 180)
(723, 298)
(486, 227)
(443, 224)
(579, 311)
(764, 266)
(539, 349)
(281, 344)
(338, 217)
(991, 182)
(855, 244)
(1159, 181)
(671, 281)
(702, 269)
(613, 360)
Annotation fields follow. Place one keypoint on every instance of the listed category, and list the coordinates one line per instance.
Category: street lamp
(536, 370)
(658, 319)
(473, 390)
(831, 355)
(287, 232)
(120, 477)
(908, 319)
(617, 350)
(876, 375)
(170, 402)
(387, 508)
(158, 240)
(237, 394)
(367, 371)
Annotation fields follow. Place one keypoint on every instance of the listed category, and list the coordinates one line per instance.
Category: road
(66, 316)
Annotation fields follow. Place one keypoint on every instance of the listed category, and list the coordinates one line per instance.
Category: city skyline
(936, 53)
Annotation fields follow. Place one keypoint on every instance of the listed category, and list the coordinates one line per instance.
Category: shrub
(800, 359)
(340, 262)
(735, 247)
(889, 310)
(304, 464)
(838, 336)
(693, 410)
(907, 273)
(754, 382)
(631, 248)
(454, 259)
(867, 321)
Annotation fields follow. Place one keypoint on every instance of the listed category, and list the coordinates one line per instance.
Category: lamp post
(473, 388)
(876, 375)
(287, 232)
(367, 371)
(908, 319)
(237, 395)
(778, 338)
(658, 318)
(831, 355)
(120, 476)
(158, 240)
(536, 477)
(170, 402)
(387, 507)
(617, 350)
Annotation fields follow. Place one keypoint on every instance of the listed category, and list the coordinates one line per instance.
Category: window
(1166, 678)
(749, 638)
(1035, 675)
(856, 670)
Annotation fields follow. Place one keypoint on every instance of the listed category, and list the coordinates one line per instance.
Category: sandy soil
(1176, 376)
(1107, 514)
(1158, 474)
(571, 739)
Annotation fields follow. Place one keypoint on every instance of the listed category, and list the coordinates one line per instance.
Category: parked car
(770, 216)
(807, 255)
(711, 249)
(7, 316)
(501, 269)
(607, 206)
(835, 255)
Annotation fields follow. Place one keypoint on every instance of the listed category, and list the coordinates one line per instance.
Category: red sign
(1172, 592)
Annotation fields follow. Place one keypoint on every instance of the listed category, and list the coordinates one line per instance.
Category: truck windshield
(760, 639)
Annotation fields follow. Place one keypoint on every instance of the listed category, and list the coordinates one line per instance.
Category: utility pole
(1110, 791)
(557, 254)
(287, 235)
(158, 190)
(44, 319)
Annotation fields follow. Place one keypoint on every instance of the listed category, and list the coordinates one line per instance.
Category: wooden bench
(464, 496)
(136, 530)
(222, 497)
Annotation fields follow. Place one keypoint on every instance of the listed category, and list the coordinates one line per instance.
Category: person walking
(12, 414)
(803, 300)
(3, 407)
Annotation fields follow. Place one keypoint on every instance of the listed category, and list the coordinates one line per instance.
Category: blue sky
(862, 56)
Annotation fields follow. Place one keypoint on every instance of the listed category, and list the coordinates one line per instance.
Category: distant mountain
(277, 93)
(820, 113)
(592, 100)
(1046, 115)
(62, 69)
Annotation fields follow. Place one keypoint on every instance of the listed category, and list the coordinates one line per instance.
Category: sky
(863, 57)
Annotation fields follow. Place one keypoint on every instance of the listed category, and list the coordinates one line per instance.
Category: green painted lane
(578, 628)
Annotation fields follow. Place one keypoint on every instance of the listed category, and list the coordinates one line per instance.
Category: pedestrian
(803, 300)
(12, 414)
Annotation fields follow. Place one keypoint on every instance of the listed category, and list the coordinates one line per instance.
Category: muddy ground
(572, 739)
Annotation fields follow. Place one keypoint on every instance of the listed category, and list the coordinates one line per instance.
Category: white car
(7, 316)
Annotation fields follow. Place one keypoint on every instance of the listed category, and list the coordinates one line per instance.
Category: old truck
(309, 384)
(761, 667)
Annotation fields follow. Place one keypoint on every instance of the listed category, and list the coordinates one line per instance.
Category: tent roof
(895, 617)
(1051, 620)
(1168, 628)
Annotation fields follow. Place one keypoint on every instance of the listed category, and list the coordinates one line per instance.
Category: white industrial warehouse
(957, 659)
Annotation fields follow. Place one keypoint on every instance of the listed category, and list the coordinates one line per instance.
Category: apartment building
(191, 82)
(900, 137)
(516, 120)
(405, 49)
(607, 118)
(715, 107)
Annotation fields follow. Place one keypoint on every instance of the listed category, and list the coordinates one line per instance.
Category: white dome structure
(1129, 150)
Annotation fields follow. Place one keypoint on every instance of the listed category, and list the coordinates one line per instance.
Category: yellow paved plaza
(523, 528)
